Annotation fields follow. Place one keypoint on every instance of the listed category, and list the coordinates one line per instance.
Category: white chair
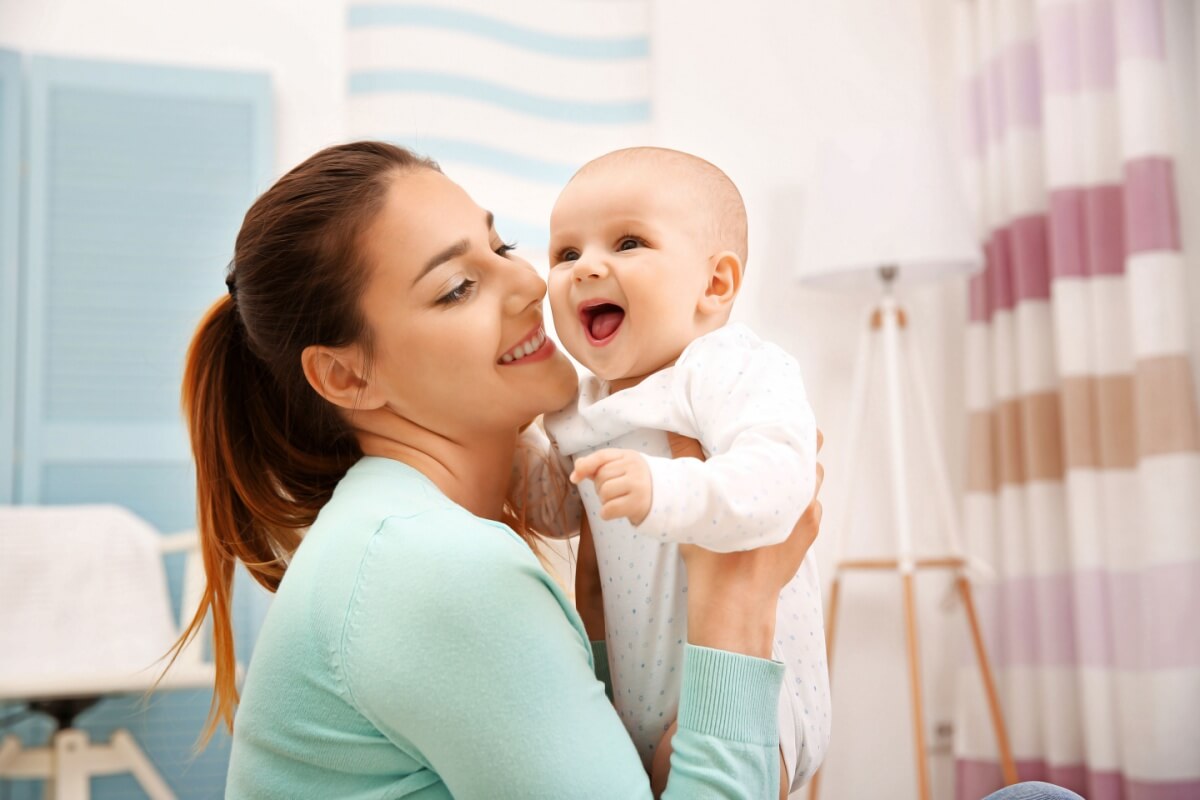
(85, 613)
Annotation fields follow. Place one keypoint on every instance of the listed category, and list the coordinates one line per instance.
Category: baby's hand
(623, 482)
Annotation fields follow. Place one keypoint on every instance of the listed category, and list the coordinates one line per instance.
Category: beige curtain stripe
(1167, 418)
(1093, 422)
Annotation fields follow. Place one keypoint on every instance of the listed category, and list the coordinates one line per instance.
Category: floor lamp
(885, 208)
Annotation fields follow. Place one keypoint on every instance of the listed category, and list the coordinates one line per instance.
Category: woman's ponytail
(268, 449)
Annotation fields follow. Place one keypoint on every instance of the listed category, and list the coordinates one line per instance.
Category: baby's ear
(724, 281)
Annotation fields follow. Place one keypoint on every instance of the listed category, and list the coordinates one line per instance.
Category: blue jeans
(1033, 790)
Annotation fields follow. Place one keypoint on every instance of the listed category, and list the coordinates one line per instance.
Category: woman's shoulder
(437, 584)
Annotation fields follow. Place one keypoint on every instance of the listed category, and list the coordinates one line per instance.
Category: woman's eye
(628, 243)
(458, 293)
(505, 248)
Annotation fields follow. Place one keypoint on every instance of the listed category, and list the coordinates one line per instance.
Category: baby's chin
(624, 376)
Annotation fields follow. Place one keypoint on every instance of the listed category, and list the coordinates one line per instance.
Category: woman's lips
(544, 349)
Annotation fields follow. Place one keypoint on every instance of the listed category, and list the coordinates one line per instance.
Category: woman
(353, 384)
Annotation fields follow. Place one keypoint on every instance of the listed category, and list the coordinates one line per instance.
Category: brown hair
(268, 449)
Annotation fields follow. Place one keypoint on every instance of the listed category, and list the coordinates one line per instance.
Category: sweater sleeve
(462, 651)
(540, 489)
(755, 424)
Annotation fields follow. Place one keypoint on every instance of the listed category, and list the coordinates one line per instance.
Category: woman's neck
(474, 473)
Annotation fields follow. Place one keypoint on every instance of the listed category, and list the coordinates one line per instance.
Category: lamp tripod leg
(858, 396)
(891, 319)
(914, 676)
(1007, 765)
(950, 521)
(814, 786)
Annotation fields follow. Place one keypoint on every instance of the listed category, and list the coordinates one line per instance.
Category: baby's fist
(623, 482)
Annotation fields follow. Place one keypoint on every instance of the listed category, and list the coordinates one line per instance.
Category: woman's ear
(337, 374)
(724, 282)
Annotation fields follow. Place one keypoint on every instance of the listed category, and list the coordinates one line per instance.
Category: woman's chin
(561, 385)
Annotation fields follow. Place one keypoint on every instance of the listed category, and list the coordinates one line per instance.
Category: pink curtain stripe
(1078, 43)
(1023, 76)
(977, 778)
(1030, 251)
(1140, 29)
(1005, 95)
(1087, 234)
(997, 253)
(1151, 208)
(995, 109)
(1084, 236)
(1140, 620)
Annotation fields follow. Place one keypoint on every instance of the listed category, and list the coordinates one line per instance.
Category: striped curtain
(510, 98)
(1084, 446)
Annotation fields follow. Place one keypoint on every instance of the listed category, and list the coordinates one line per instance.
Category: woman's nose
(527, 288)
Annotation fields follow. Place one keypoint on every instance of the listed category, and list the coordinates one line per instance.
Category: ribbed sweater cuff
(730, 696)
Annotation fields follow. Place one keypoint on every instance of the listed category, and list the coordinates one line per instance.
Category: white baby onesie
(743, 399)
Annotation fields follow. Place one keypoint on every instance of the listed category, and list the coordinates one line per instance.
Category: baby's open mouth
(601, 320)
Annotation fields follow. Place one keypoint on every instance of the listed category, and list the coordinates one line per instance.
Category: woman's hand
(732, 597)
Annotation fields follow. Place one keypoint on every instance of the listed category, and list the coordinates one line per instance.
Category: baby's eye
(568, 255)
(628, 243)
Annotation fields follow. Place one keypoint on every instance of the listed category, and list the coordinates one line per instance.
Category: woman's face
(454, 318)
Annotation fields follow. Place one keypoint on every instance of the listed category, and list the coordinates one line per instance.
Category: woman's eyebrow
(453, 251)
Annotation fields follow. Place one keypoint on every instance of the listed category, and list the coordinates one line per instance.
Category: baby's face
(628, 266)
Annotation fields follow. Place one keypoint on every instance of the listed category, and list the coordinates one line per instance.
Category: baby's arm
(540, 492)
(751, 410)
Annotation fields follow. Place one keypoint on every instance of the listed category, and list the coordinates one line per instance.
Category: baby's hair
(726, 211)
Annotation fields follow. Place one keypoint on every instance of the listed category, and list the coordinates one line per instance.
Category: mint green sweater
(415, 650)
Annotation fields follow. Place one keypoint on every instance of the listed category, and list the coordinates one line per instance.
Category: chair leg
(8, 752)
(70, 779)
(135, 760)
(1007, 765)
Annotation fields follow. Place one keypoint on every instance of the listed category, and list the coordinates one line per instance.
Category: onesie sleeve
(461, 650)
(540, 490)
(746, 398)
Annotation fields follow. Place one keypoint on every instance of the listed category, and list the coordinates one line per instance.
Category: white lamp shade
(885, 196)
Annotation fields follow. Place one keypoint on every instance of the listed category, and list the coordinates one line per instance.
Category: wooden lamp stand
(887, 325)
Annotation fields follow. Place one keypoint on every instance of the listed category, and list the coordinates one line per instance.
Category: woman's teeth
(522, 350)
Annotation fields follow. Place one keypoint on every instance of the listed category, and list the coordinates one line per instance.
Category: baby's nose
(588, 269)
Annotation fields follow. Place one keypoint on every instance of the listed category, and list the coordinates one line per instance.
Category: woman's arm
(464, 652)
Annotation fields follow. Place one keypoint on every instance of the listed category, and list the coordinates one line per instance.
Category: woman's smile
(536, 346)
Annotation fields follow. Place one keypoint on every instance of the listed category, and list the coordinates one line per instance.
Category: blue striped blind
(138, 177)
(10, 165)
(510, 98)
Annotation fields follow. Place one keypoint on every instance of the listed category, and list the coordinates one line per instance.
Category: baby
(647, 250)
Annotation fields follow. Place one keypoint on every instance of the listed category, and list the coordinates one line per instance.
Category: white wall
(299, 42)
(753, 86)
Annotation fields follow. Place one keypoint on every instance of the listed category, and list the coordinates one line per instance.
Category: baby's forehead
(641, 185)
(646, 169)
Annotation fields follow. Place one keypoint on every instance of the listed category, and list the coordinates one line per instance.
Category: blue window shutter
(10, 171)
(138, 178)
